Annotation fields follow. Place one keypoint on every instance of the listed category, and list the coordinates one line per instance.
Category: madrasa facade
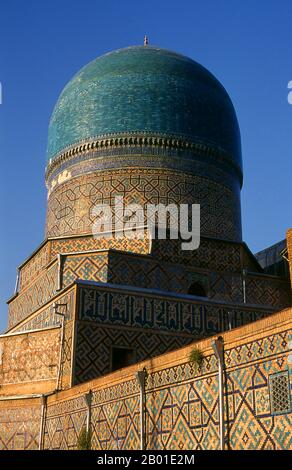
(116, 336)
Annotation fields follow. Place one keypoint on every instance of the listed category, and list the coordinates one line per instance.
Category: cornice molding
(139, 140)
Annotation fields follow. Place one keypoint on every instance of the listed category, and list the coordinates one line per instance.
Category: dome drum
(139, 114)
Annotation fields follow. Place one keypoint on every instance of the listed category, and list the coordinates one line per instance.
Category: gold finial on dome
(145, 40)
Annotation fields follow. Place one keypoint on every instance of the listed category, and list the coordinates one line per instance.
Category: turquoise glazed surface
(144, 89)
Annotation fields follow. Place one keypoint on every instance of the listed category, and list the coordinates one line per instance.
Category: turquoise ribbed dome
(144, 89)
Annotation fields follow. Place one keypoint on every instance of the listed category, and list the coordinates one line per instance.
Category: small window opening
(122, 357)
(197, 289)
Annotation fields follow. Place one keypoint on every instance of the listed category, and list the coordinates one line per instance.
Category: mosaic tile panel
(268, 291)
(91, 267)
(115, 425)
(76, 244)
(94, 343)
(47, 253)
(117, 307)
(182, 404)
(64, 422)
(185, 415)
(32, 269)
(19, 427)
(214, 255)
(150, 324)
(29, 357)
(47, 317)
(28, 301)
(128, 269)
(66, 359)
(70, 205)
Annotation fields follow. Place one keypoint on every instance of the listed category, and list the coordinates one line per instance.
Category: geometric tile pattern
(64, 423)
(94, 343)
(29, 300)
(134, 269)
(213, 255)
(127, 269)
(70, 205)
(19, 427)
(130, 269)
(267, 291)
(184, 415)
(219, 262)
(86, 267)
(182, 405)
(167, 268)
(66, 359)
(47, 317)
(116, 425)
(51, 248)
(151, 325)
(117, 307)
(29, 358)
(32, 269)
(280, 392)
(75, 244)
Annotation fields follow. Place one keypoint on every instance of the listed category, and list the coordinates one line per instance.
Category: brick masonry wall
(144, 271)
(69, 210)
(34, 297)
(30, 353)
(216, 264)
(149, 323)
(29, 362)
(181, 403)
(20, 424)
(48, 251)
(138, 269)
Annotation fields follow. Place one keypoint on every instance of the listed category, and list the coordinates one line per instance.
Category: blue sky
(246, 44)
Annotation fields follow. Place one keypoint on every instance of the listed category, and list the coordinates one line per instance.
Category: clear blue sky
(246, 44)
